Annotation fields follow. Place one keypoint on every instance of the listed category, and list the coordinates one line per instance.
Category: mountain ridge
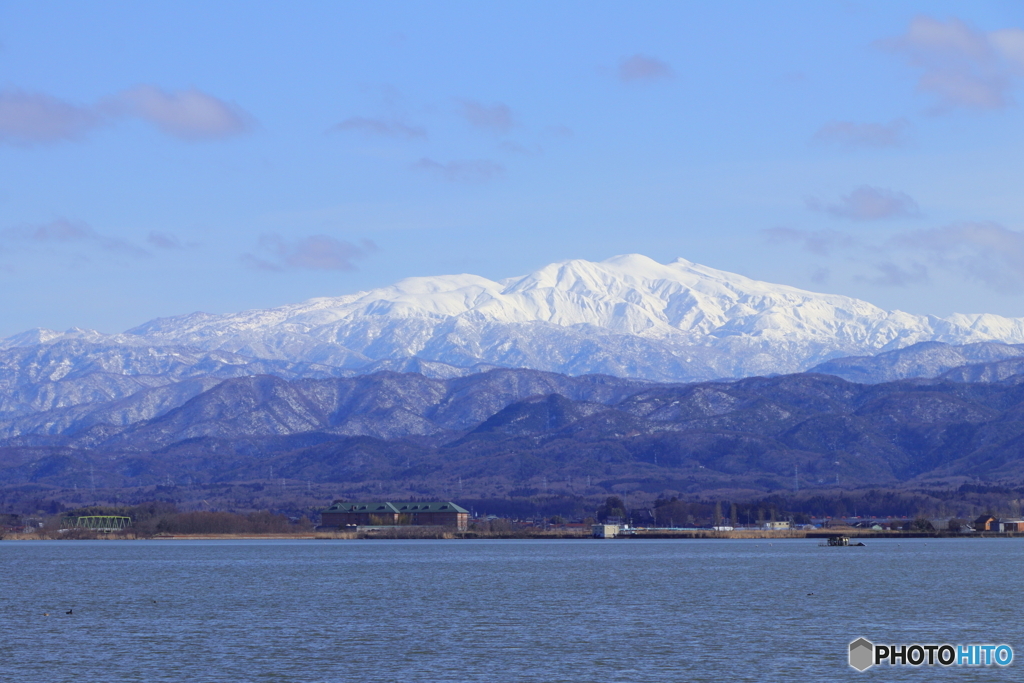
(506, 430)
(627, 316)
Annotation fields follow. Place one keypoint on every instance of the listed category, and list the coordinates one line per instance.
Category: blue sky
(157, 159)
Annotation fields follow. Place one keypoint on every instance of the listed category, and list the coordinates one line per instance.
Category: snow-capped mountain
(628, 316)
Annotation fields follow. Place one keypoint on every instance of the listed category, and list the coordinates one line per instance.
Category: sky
(162, 158)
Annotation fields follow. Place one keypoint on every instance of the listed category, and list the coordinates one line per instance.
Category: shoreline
(426, 533)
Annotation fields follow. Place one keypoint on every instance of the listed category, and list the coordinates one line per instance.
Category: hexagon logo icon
(862, 654)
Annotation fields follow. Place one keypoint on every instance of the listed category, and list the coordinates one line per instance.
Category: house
(605, 530)
(395, 514)
(1011, 525)
(776, 526)
(986, 523)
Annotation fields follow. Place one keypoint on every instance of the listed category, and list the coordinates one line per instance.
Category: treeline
(676, 512)
(967, 502)
(531, 507)
(201, 522)
(673, 512)
(151, 519)
(799, 508)
(963, 503)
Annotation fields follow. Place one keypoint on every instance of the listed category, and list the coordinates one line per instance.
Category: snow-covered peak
(626, 315)
(38, 335)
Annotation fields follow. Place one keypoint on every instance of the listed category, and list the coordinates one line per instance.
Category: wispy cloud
(316, 252)
(66, 232)
(849, 134)
(256, 263)
(186, 114)
(496, 118)
(962, 65)
(641, 68)
(35, 119)
(468, 171)
(884, 273)
(983, 252)
(868, 203)
(381, 126)
(821, 276)
(820, 242)
(888, 274)
(988, 253)
(165, 240)
(559, 131)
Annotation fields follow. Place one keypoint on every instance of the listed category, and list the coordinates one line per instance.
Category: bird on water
(70, 611)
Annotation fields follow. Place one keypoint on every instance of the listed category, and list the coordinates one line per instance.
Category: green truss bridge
(104, 523)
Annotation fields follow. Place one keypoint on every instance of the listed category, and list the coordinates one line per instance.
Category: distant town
(447, 519)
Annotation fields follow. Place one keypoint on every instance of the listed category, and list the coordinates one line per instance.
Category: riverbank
(446, 533)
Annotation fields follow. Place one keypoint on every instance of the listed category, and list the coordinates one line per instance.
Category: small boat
(840, 542)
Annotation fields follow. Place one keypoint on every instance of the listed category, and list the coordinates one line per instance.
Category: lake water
(496, 611)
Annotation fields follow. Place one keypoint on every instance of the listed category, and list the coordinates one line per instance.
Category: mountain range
(627, 372)
(628, 316)
(505, 431)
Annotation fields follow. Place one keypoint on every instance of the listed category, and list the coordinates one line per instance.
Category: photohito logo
(865, 654)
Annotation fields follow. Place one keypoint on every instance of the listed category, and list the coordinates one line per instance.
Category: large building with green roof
(395, 514)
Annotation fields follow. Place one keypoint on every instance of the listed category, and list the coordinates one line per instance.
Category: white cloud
(1009, 43)
(890, 274)
(849, 134)
(66, 232)
(165, 240)
(868, 203)
(496, 117)
(315, 252)
(820, 242)
(983, 252)
(187, 114)
(988, 253)
(34, 119)
(641, 68)
(962, 65)
(821, 276)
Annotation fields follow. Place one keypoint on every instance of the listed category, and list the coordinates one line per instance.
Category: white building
(605, 530)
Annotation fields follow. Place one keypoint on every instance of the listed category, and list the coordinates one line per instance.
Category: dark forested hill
(929, 359)
(523, 430)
